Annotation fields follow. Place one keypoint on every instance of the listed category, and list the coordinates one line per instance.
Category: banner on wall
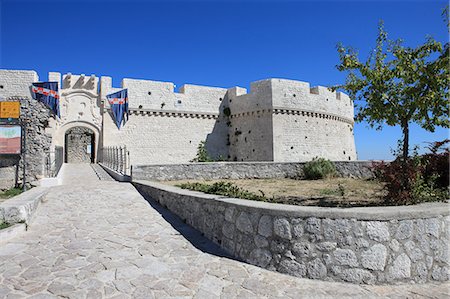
(10, 139)
(47, 93)
(119, 106)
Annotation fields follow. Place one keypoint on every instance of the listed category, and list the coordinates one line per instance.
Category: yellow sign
(9, 109)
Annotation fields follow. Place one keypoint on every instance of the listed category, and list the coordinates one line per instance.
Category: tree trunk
(405, 128)
(405, 153)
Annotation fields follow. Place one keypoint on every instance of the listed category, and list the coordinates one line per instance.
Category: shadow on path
(188, 232)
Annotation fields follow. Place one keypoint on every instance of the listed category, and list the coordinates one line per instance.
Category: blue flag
(119, 106)
(47, 93)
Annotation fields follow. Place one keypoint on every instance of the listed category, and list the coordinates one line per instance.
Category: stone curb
(22, 207)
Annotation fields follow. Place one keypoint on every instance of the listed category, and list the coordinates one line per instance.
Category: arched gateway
(78, 131)
(79, 145)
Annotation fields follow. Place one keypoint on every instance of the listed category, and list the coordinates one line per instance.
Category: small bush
(202, 154)
(319, 168)
(437, 164)
(419, 179)
(399, 178)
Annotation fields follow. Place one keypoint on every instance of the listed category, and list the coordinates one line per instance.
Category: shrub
(418, 179)
(437, 164)
(399, 178)
(319, 168)
(202, 154)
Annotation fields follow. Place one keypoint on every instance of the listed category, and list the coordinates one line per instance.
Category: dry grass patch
(340, 192)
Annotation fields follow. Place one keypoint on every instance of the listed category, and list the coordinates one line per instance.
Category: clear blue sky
(214, 43)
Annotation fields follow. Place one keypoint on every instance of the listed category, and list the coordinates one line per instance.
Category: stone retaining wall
(21, 208)
(38, 146)
(377, 245)
(240, 170)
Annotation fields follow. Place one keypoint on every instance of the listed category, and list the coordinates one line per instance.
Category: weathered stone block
(432, 227)
(230, 214)
(228, 230)
(374, 258)
(378, 231)
(278, 246)
(421, 270)
(316, 269)
(261, 241)
(357, 276)
(394, 245)
(413, 251)
(404, 230)
(260, 257)
(302, 249)
(326, 246)
(401, 267)
(297, 227)
(313, 225)
(282, 228)
(244, 224)
(292, 267)
(440, 273)
(361, 243)
(265, 226)
(345, 257)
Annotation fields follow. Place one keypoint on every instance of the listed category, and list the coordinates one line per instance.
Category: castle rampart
(277, 120)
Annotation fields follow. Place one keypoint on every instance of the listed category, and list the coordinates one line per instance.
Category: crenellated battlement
(290, 94)
(149, 94)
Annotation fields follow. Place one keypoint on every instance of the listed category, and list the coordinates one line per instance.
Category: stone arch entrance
(79, 145)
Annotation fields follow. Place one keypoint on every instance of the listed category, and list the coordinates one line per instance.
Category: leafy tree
(399, 85)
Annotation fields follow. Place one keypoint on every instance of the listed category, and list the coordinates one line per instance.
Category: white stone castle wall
(278, 120)
(162, 138)
(300, 138)
(164, 126)
(311, 122)
(155, 95)
(251, 134)
(14, 83)
(299, 95)
(287, 121)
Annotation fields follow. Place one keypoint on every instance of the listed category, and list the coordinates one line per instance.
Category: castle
(277, 120)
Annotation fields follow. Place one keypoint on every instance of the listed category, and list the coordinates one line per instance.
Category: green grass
(10, 193)
(225, 189)
(329, 192)
(4, 225)
(340, 191)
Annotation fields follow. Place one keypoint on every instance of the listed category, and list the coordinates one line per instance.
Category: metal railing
(54, 161)
(117, 158)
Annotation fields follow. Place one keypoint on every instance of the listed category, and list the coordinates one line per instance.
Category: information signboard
(9, 109)
(10, 139)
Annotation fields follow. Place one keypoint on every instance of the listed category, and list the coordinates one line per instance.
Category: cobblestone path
(100, 239)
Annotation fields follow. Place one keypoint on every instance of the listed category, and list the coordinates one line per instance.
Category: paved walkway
(99, 239)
